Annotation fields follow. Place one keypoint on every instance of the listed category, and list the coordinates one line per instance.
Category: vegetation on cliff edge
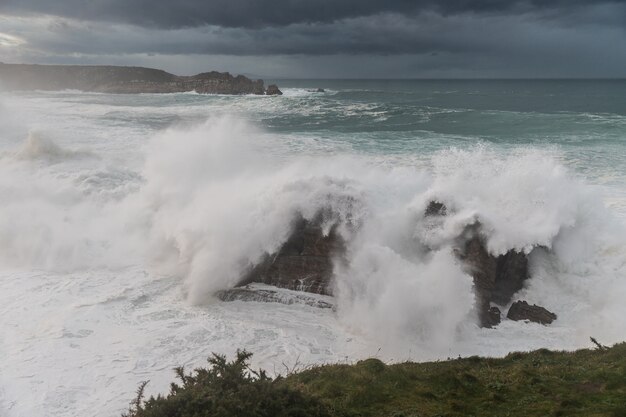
(541, 383)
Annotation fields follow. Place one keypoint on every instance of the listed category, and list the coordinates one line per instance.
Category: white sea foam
(107, 270)
(214, 199)
(306, 92)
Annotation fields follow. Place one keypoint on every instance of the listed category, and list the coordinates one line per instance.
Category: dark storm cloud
(381, 34)
(386, 34)
(262, 13)
(393, 38)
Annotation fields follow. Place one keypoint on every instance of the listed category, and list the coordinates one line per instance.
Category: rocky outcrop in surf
(272, 90)
(496, 278)
(521, 310)
(125, 80)
(304, 262)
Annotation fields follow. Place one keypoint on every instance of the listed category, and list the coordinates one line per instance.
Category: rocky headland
(125, 80)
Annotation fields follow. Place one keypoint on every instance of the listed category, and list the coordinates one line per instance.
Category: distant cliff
(125, 80)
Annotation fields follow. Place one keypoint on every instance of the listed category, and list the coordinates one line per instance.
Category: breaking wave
(213, 199)
(37, 147)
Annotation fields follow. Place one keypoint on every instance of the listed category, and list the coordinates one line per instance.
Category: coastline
(125, 80)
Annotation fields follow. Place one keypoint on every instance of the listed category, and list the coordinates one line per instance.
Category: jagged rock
(272, 90)
(435, 208)
(304, 262)
(127, 80)
(496, 278)
(261, 293)
(521, 310)
(490, 317)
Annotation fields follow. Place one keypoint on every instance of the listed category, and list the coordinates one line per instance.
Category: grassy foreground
(541, 383)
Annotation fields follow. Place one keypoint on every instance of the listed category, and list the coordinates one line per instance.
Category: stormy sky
(325, 38)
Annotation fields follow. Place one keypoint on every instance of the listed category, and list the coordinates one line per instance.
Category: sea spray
(241, 202)
(220, 203)
(38, 147)
(58, 221)
(212, 199)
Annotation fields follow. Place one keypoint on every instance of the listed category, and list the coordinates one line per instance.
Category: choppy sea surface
(120, 215)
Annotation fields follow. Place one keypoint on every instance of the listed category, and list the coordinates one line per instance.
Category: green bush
(227, 389)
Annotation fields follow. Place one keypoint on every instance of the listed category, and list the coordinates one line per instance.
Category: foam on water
(111, 246)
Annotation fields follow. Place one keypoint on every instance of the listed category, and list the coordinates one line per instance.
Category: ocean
(121, 215)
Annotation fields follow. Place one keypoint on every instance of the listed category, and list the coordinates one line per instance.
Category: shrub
(227, 389)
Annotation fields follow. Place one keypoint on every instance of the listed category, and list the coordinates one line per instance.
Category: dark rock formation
(112, 79)
(272, 90)
(521, 310)
(220, 83)
(435, 208)
(266, 295)
(491, 317)
(317, 90)
(496, 278)
(304, 262)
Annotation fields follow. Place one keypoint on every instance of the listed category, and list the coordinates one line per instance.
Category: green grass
(541, 383)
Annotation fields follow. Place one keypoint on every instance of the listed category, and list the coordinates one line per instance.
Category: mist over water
(122, 215)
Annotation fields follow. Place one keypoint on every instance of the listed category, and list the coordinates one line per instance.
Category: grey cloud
(263, 13)
(386, 34)
(574, 41)
(387, 45)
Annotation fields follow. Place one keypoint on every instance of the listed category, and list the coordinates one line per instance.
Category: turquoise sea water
(584, 119)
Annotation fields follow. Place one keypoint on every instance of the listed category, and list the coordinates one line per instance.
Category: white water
(113, 235)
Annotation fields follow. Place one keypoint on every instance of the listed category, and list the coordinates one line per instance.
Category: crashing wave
(217, 200)
(36, 147)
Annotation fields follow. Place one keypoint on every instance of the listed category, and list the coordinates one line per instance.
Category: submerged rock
(267, 294)
(304, 262)
(521, 310)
